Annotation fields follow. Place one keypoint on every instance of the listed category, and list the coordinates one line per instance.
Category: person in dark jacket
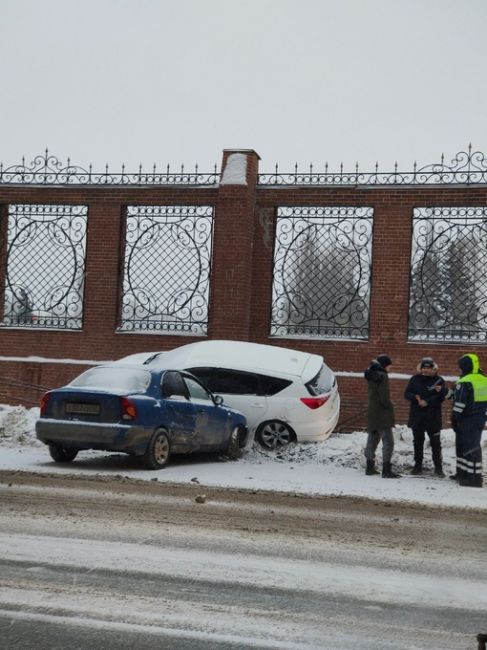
(426, 391)
(380, 416)
(469, 416)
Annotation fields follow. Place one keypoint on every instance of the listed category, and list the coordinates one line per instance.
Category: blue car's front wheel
(233, 449)
(158, 451)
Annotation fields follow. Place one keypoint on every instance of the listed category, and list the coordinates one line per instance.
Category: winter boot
(370, 469)
(439, 471)
(417, 469)
(387, 471)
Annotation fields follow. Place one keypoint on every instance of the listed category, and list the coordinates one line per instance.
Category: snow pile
(347, 450)
(235, 172)
(17, 424)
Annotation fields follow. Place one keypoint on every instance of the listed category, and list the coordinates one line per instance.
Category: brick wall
(241, 280)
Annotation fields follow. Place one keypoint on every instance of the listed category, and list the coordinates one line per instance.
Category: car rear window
(113, 379)
(323, 382)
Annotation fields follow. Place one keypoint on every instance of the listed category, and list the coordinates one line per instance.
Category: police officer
(469, 416)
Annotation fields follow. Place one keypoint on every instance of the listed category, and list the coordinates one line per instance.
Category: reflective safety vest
(479, 385)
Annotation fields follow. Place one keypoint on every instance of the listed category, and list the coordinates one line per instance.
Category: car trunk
(87, 406)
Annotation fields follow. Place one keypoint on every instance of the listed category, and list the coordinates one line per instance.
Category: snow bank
(334, 467)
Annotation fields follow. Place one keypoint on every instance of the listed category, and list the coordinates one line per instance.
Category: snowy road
(97, 563)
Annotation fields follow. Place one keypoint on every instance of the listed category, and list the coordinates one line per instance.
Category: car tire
(233, 450)
(274, 434)
(158, 451)
(62, 454)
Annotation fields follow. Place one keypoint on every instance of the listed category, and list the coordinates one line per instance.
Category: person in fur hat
(426, 391)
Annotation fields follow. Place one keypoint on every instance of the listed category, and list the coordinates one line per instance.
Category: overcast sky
(168, 81)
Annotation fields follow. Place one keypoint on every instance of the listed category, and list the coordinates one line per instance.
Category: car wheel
(233, 449)
(62, 454)
(274, 434)
(158, 451)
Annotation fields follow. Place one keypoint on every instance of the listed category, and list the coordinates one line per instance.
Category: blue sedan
(140, 411)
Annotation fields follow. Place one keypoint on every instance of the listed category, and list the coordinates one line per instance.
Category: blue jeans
(373, 439)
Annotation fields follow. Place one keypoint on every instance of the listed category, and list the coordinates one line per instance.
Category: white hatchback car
(286, 395)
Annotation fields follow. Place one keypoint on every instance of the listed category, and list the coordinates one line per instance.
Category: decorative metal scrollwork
(167, 269)
(322, 265)
(45, 265)
(448, 293)
(467, 167)
(46, 169)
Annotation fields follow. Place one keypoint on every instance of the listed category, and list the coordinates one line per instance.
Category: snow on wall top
(235, 172)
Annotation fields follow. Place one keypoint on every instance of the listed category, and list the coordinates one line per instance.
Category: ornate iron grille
(46, 169)
(45, 266)
(467, 167)
(448, 292)
(322, 264)
(167, 269)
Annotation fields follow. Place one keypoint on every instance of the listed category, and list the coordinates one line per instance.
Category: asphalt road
(101, 563)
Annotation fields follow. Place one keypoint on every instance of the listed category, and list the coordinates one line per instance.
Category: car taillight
(44, 402)
(129, 410)
(314, 402)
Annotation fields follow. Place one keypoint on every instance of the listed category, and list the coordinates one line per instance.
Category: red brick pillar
(390, 274)
(231, 285)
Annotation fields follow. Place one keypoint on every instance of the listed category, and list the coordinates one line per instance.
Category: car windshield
(127, 380)
(322, 383)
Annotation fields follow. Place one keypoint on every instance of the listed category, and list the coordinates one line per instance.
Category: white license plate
(82, 409)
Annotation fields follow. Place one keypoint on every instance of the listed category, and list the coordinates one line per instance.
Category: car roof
(242, 355)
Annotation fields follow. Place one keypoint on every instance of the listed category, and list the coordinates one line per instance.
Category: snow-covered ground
(333, 467)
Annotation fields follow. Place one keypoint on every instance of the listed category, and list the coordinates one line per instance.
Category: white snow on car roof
(242, 355)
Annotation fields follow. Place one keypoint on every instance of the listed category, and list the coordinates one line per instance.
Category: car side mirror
(218, 399)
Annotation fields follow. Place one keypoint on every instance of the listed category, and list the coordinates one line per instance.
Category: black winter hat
(384, 360)
(427, 362)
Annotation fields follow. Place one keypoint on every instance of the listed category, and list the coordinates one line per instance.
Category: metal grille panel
(167, 269)
(45, 266)
(322, 265)
(448, 291)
